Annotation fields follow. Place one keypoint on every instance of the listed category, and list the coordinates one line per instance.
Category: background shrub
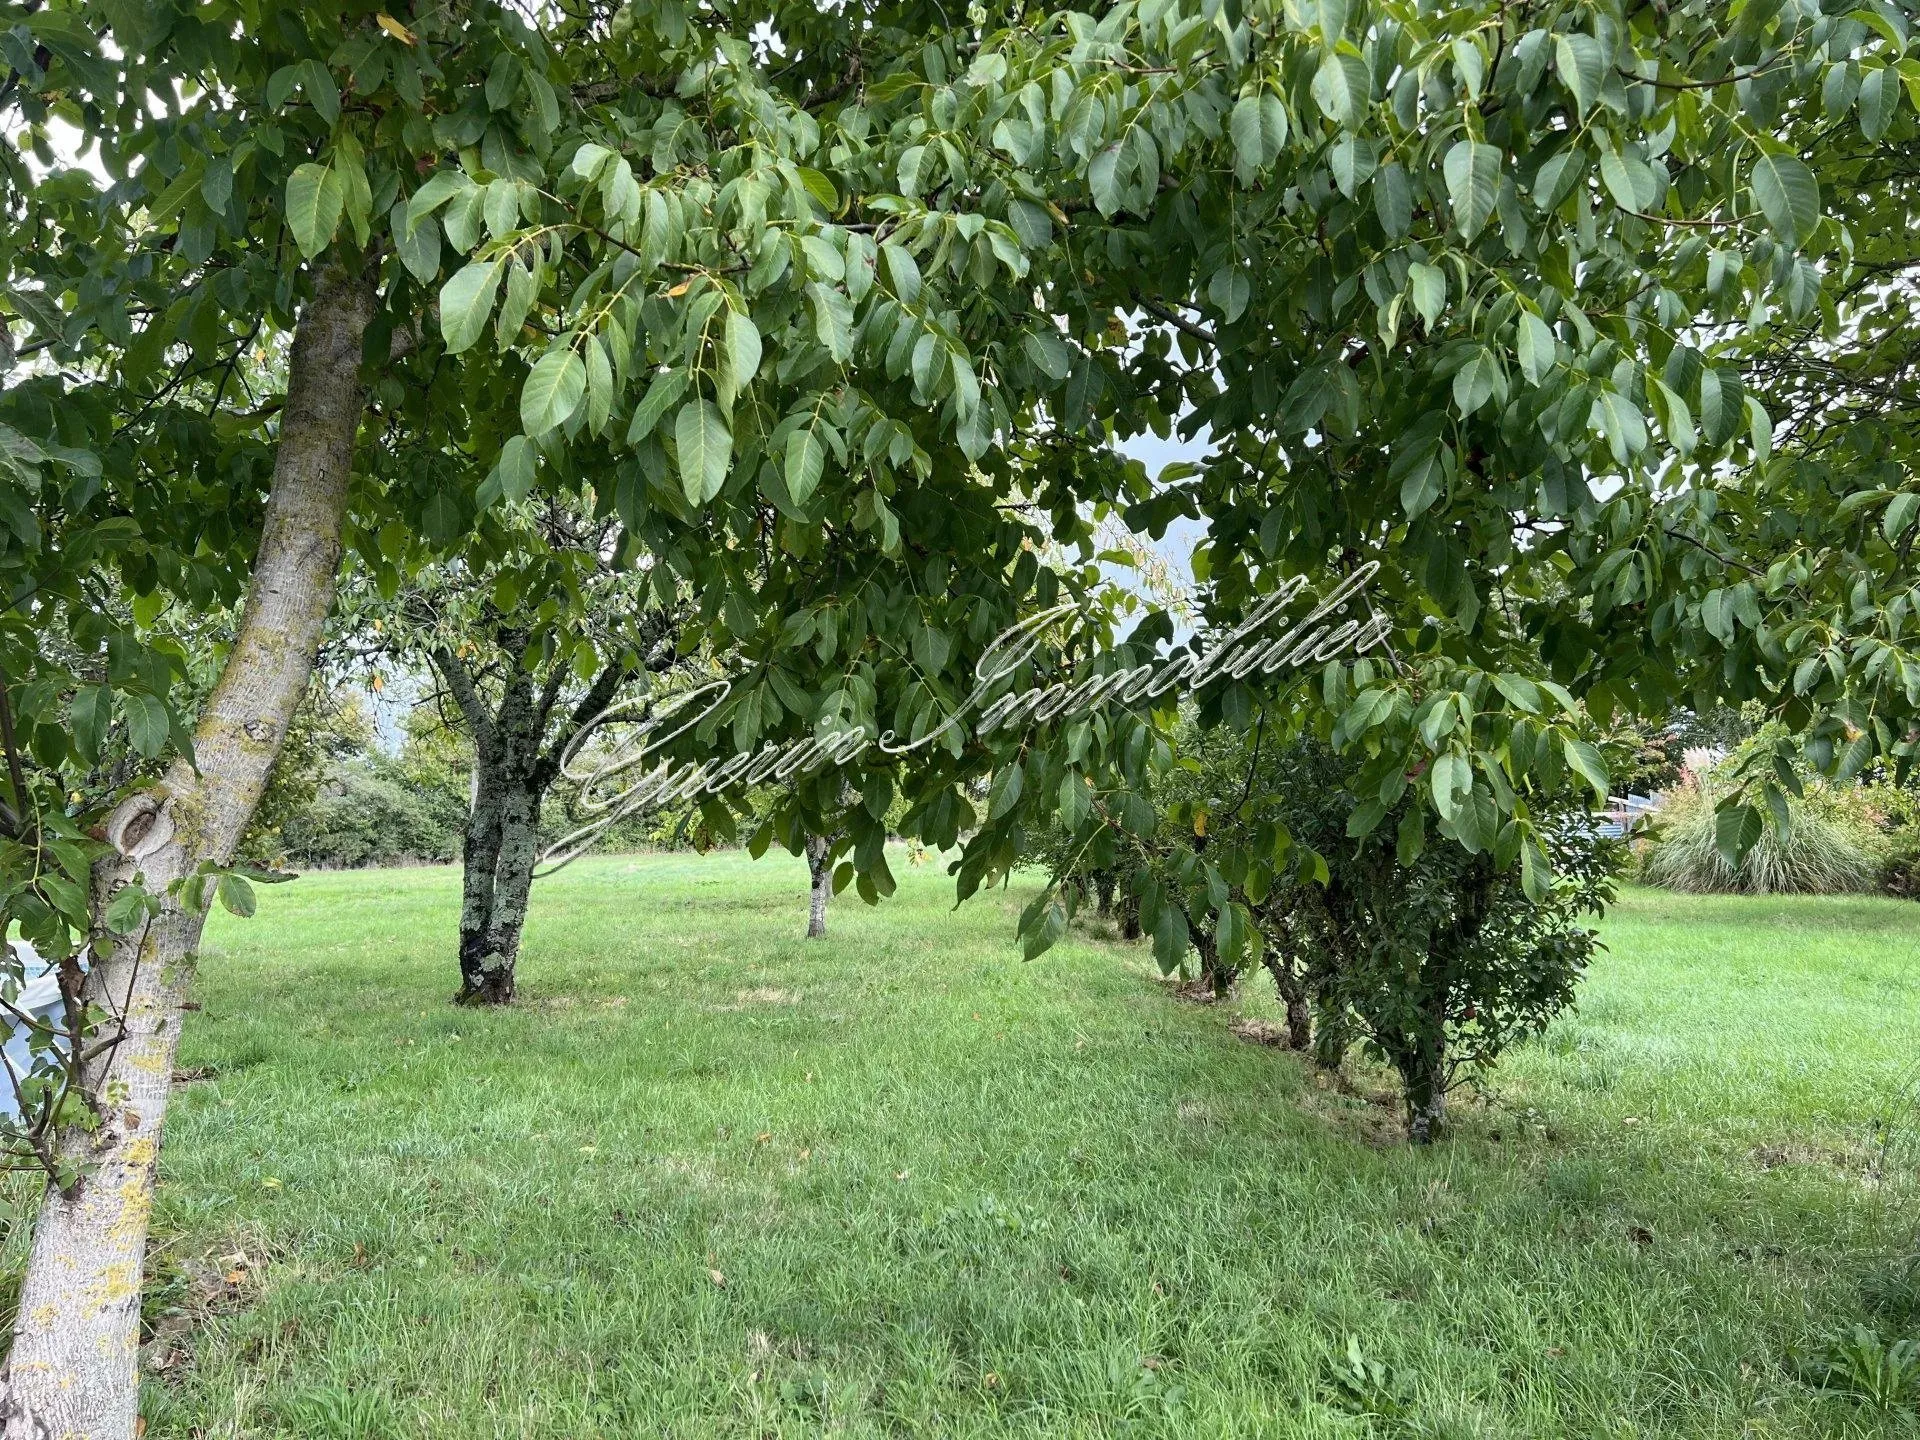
(1832, 845)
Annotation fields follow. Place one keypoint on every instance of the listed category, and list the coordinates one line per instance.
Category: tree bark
(1426, 1099)
(1293, 995)
(820, 870)
(479, 862)
(512, 884)
(514, 765)
(73, 1371)
(480, 842)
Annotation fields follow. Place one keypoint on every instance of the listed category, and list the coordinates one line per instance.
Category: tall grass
(1826, 849)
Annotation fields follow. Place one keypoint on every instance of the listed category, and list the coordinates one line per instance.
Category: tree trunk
(1423, 1078)
(1215, 979)
(512, 884)
(479, 863)
(73, 1369)
(820, 870)
(1130, 917)
(1103, 893)
(1293, 994)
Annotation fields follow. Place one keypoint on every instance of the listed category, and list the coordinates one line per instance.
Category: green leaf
(1429, 286)
(90, 714)
(599, 385)
(1424, 482)
(1103, 181)
(1627, 179)
(1473, 182)
(441, 187)
(832, 319)
(516, 467)
(1620, 421)
(705, 449)
(128, 910)
(1352, 162)
(1170, 939)
(1900, 512)
(1049, 924)
(1258, 129)
(903, 274)
(554, 389)
(1535, 347)
(662, 394)
(1342, 88)
(1229, 290)
(522, 287)
(1788, 196)
(806, 459)
(1587, 764)
(743, 347)
(502, 207)
(1879, 100)
(1520, 691)
(315, 198)
(236, 894)
(1075, 800)
(1474, 383)
(1581, 65)
(1737, 828)
(418, 245)
(1249, 149)
(466, 300)
(1005, 791)
(1536, 872)
(322, 93)
(1449, 778)
(1393, 200)
(1050, 353)
(147, 723)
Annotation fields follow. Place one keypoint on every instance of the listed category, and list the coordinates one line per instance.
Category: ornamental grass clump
(1830, 846)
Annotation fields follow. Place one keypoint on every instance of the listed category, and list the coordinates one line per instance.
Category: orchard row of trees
(801, 335)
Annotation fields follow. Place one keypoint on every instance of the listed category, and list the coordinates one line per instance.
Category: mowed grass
(709, 1179)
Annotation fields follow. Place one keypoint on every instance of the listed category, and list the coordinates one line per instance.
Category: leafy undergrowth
(710, 1179)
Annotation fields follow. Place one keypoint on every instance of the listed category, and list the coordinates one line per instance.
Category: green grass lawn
(709, 1179)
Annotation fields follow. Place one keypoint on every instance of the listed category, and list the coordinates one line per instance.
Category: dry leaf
(763, 1137)
(717, 1278)
(394, 28)
(677, 291)
(903, 1174)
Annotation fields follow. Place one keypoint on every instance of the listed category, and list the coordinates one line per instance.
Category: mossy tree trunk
(517, 754)
(73, 1368)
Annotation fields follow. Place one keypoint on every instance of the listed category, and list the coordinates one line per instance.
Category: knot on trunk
(141, 825)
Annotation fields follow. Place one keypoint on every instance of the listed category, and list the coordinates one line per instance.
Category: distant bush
(1900, 829)
(1831, 846)
(370, 812)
